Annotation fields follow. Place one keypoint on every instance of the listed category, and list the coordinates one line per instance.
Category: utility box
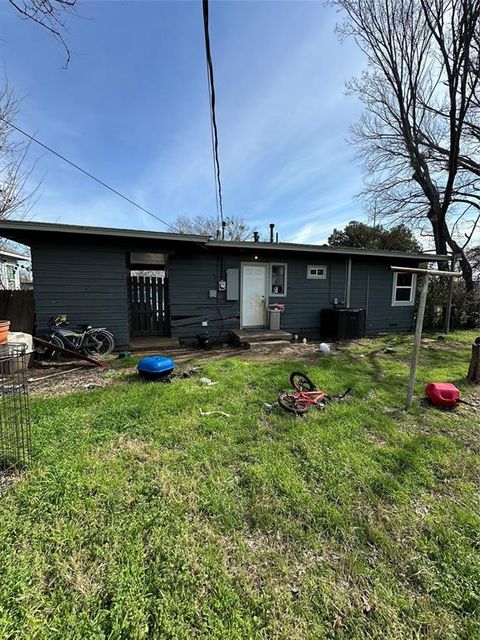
(342, 324)
(233, 284)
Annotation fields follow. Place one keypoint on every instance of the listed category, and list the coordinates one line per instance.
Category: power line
(214, 164)
(87, 173)
(213, 119)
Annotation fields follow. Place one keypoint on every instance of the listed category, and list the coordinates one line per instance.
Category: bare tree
(418, 139)
(15, 195)
(48, 14)
(236, 227)
(474, 257)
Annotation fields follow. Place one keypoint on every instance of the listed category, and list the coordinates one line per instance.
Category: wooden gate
(148, 304)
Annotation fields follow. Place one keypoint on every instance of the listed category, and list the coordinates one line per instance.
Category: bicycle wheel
(288, 402)
(301, 382)
(42, 351)
(99, 343)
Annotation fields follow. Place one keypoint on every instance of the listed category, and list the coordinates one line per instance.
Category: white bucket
(18, 337)
(21, 338)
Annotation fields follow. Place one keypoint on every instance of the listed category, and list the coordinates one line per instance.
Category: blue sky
(132, 108)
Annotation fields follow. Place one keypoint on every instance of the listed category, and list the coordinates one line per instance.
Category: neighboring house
(15, 271)
(209, 285)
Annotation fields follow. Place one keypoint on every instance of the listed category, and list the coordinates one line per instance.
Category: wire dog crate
(15, 428)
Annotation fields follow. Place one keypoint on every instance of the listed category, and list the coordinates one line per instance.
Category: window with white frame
(316, 271)
(278, 279)
(11, 276)
(404, 286)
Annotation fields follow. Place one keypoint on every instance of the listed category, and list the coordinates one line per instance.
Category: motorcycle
(86, 339)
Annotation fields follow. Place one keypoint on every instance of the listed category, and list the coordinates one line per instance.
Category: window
(316, 271)
(404, 285)
(11, 276)
(278, 279)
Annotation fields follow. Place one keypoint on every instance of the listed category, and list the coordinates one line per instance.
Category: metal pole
(416, 342)
(448, 311)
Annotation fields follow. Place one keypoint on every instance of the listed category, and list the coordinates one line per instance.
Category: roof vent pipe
(256, 236)
(272, 227)
(224, 224)
(276, 237)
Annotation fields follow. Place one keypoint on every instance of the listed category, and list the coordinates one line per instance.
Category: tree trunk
(444, 242)
(467, 273)
(470, 307)
(473, 374)
(439, 236)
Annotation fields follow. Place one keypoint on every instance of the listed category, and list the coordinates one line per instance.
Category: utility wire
(213, 119)
(87, 173)
(214, 165)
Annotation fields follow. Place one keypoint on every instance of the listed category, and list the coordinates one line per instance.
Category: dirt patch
(53, 379)
(58, 379)
(289, 351)
(472, 395)
(8, 478)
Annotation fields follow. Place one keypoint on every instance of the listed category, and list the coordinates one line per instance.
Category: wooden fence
(19, 308)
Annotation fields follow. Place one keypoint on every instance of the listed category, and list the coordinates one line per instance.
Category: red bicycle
(306, 394)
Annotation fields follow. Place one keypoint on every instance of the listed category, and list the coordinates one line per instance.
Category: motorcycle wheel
(42, 352)
(99, 343)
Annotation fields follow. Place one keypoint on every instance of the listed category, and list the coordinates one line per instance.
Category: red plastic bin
(443, 394)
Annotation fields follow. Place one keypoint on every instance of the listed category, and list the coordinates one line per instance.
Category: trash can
(274, 311)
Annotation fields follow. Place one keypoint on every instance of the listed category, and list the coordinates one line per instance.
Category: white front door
(254, 292)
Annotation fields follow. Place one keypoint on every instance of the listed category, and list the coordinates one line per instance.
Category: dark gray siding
(189, 280)
(371, 289)
(306, 298)
(89, 283)
(191, 277)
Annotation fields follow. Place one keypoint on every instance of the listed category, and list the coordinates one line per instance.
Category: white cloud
(314, 233)
(282, 143)
(282, 117)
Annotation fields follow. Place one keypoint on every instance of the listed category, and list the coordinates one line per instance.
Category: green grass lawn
(141, 518)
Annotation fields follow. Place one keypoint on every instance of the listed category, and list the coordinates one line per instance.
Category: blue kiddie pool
(155, 367)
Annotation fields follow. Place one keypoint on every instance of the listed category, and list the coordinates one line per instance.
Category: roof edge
(32, 226)
(21, 225)
(316, 248)
(13, 254)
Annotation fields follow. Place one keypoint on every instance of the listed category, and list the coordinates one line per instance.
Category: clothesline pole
(419, 323)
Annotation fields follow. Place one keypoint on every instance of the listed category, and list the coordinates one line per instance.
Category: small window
(316, 271)
(11, 276)
(404, 285)
(278, 279)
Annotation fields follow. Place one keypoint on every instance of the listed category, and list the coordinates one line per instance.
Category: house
(206, 285)
(14, 270)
